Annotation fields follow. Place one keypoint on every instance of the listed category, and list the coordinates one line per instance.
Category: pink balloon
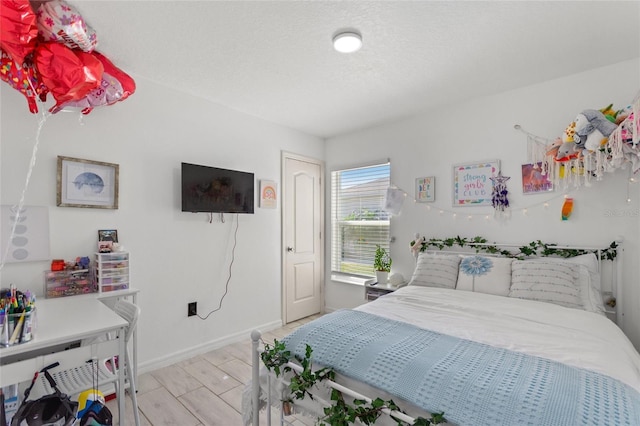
(59, 22)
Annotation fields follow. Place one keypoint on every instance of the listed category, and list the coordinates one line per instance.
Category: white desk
(59, 323)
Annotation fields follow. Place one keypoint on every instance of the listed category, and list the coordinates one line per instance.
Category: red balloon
(62, 23)
(24, 79)
(18, 30)
(116, 85)
(69, 74)
(109, 92)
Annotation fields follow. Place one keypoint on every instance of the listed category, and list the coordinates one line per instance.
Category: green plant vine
(340, 413)
(534, 248)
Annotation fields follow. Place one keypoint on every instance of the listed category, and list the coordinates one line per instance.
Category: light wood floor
(203, 390)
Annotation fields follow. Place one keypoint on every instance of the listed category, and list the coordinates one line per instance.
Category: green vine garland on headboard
(534, 248)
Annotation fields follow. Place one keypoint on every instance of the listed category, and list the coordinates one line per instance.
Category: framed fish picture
(86, 183)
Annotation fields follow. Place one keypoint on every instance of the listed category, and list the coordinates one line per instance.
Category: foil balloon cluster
(53, 51)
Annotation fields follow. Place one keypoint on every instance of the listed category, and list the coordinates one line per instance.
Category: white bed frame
(615, 285)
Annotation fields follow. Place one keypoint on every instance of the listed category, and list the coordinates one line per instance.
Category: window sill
(352, 279)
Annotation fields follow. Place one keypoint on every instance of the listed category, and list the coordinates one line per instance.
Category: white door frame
(285, 155)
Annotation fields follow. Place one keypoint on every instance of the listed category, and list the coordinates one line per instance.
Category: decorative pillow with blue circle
(483, 274)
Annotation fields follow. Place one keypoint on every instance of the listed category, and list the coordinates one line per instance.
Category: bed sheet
(574, 337)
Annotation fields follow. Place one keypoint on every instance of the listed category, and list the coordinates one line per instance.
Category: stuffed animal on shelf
(592, 130)
(569, 132)
(567, 151)
(417, 245)
(610, 113)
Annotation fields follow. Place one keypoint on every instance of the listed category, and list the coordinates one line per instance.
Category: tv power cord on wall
(226, 286)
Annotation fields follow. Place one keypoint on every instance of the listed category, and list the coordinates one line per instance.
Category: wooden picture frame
(86, 183)
(426, 189)
(472, 184)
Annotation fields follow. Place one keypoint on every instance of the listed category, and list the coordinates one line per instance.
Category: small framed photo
(108, 235)
(268, 194)
(426, 189)
(472, 184)
(534, 180)
(86, 183)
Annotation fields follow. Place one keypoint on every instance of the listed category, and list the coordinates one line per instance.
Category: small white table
(62, 323)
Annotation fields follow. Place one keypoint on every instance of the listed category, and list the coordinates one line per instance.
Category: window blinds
(358, 219)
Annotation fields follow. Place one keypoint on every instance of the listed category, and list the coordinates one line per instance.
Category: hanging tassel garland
(499, 196)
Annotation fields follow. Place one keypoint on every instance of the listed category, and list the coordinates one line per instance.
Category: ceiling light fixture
(347, 42)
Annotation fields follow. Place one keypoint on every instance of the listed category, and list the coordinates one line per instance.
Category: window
(358, 219)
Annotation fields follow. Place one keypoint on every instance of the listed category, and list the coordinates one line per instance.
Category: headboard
(609, 260)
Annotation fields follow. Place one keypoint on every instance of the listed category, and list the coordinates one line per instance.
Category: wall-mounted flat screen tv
(215, 190)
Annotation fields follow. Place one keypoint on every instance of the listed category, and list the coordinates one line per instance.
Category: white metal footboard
(256, 350)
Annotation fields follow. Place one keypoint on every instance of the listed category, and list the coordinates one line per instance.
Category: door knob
(289, 249)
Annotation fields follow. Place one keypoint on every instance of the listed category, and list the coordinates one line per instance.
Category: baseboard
(186, 353)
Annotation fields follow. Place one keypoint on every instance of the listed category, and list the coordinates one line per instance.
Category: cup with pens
(17, 316)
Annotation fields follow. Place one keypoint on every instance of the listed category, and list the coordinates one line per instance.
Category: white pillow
(588, 280)
(541, 280)
(485, 274)
(436, 270)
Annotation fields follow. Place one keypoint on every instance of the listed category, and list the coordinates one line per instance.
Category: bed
(487, 340)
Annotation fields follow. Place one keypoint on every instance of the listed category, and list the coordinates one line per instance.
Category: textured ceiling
(274, 59)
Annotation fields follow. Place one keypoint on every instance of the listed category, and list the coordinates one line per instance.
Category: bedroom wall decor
(25, 234)
(534, 248)
(521, 210)
(472, 185)
(595, 143)
(426, 189)
(268, 194)
(534, 179)
(499, 196)
(86, 183)
(567, 208)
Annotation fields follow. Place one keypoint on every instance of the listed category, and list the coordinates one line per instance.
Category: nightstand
(373, 291)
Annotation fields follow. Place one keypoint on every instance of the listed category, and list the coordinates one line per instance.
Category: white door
(302, 216)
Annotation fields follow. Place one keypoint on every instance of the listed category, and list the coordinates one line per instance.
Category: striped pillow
(434, 270)
(546, 281)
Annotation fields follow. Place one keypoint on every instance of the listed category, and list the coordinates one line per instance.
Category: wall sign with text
(472, 185)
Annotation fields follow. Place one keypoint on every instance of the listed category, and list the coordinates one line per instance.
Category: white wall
(176, 257)
(430, 143)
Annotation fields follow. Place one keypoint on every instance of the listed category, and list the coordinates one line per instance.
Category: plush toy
(609, 113)
(417, 245)
(567, 136)
(623, 114)
(567, 151)
(592, 130)
(83, 262)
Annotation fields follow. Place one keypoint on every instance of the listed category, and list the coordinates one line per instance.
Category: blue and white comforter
(473, 382)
